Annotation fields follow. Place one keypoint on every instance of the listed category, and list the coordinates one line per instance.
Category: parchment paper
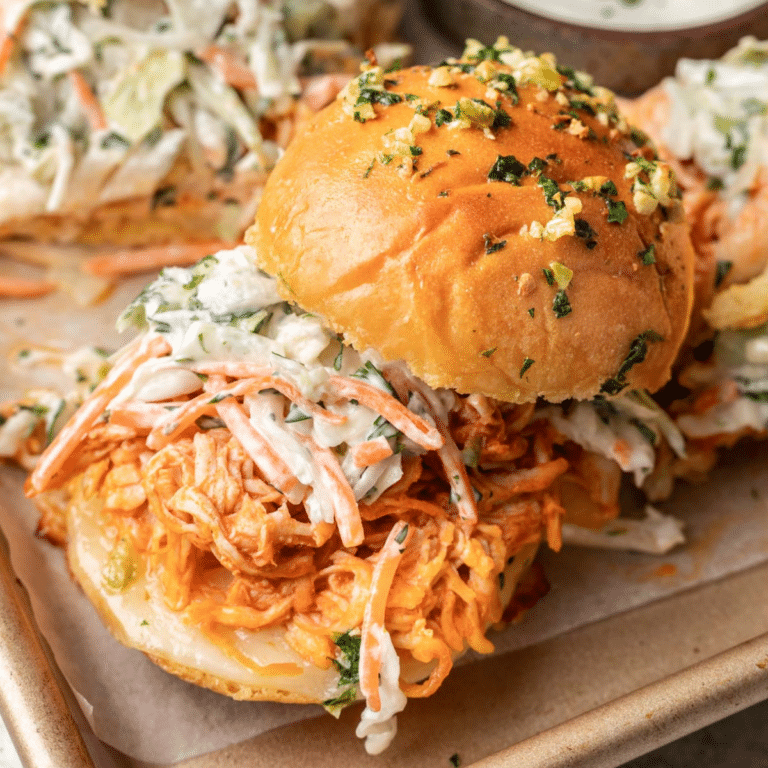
(154, 717)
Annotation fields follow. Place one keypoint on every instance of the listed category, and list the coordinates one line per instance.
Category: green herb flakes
(489, 352)
(638, 349)
(648, 434)
(722, 268)
(617, 211)
(490, 246)
(549, 276)
(527, 363)
(561, 306)
(507, 168)
(648, 255)
(348, 662)
(554, 196)
(585, 232)
(532, 311)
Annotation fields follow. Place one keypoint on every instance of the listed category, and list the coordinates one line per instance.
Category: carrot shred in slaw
(131, 261)
(24, 288)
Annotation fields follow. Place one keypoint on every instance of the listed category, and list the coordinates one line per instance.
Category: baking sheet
(612, 623)
(151, 716)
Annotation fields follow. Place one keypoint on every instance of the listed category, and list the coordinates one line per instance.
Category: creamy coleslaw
(125, 99)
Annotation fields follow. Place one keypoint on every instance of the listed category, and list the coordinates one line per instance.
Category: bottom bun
(256, 665)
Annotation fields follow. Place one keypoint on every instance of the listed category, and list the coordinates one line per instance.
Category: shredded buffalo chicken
(233, 551)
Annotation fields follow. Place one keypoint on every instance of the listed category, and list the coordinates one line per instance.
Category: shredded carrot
(92, 408)
(21, 288)
(6, 49)
(345, 509)
(371, 452)
(412, 426)
(260, 377)
(172, 423)
(256, 446)
(9, 39)
(88, 100)
(130, 261)
(140, 415)
(234, 72)
(375, 610)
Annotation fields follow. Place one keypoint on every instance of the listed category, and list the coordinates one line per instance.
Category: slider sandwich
(330, 455)
(130, 125)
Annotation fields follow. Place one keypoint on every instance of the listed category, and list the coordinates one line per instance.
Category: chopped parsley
(509, 81)
(443, 116)
(194, 282)
(617, 211)
(583, 105)
(295, 415)
(549, 275)
(561, 306)
(648, 255)
(400, 538)
(644, 430)
(348, 662)
(738, 156)
(337, 361)
(507, 168)
(638, 349)
(489, 352)
(374, 96)
(585, 232)
(370, 373)
(500, 119)
(609, 188)
(532, 311)
(36, 409)
(455, 760)
(527, 363)
(722, 268)
(573, 80)
(552, 193)
(491, 247)
(113, 139)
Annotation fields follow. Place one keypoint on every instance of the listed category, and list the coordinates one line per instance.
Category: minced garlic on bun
(492, 222)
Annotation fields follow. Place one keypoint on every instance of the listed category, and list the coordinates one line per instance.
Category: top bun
(492, 222)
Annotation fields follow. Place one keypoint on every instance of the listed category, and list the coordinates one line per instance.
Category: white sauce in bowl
(637, 15)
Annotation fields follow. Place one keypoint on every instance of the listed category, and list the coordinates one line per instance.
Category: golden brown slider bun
(437, 266)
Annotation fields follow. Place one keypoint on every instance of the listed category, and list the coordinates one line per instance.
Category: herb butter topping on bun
(473, 217)
(316, 485)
